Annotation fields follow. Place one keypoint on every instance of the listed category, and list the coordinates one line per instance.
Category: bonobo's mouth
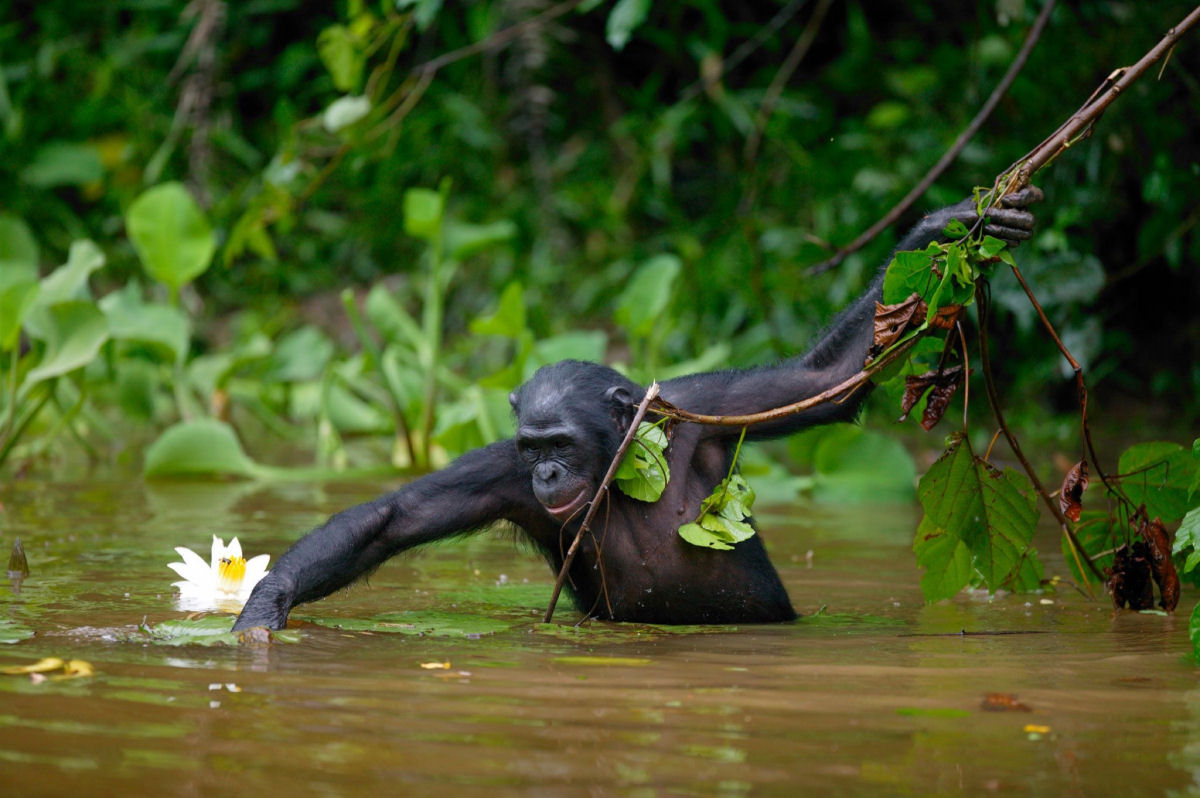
(564, 511)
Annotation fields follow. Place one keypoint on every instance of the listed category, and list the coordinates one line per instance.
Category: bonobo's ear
(512, 400)
(622, 405)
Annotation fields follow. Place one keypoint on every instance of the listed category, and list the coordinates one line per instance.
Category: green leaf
(509, 317)
(423, 212)
(991, 513)
(909, 273)
(18, 251)
(647, 294)
(430, 623)
(64, 163)
(69, 281)
(16, 300)
(699, 536)
(171, 235)
(300, 355)
(1158, 474)
(201, 447)
(464, 239)
(13, 632)
(339, 52)
(990, 247)
(947, 564)
(390, 318)
(1187, 539)
(625, 17)
(955, 228)
(643, 473)
(74, 333)
(131, 319)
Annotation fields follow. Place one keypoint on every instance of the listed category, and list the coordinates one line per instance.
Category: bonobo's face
(570, 417)
(555, 449)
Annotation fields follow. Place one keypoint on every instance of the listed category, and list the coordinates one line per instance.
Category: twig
(498, 39)
(601, 492)
(1080, 123)
(834, 394)
(950, 155)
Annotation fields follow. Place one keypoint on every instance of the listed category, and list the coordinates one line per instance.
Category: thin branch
(983, 301)
(1080, 124)
(950, 155)
(601, 492)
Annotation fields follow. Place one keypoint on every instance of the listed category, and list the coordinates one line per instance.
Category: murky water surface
(877, 696)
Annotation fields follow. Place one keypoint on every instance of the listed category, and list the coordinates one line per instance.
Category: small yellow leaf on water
(41, 666)
(436, 666)
(76, 669)
(1032, 728)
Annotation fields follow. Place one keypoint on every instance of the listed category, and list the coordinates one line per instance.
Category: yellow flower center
(230, 572)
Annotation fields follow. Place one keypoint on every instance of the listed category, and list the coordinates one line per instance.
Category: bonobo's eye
(561, 445)
(527, 450)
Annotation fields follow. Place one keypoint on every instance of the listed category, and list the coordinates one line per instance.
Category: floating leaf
(1070, 494)
(602, 661)
(432, 623)
(171, 234)
(13, 632)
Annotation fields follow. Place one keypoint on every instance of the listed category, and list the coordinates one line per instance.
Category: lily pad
(211, 630)
(13, 632)
(430, 624)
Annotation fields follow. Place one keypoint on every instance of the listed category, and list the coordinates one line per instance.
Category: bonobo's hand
(1009, 222)
(268, 605)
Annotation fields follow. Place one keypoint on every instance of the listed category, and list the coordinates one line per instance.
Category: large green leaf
(67, 282)
(646, 296)
(201, 447)
(509, 317)
(73, 332)
(16, 300)
(947, 564)
(18, 251)
(339, 51)
(1159, 475)
(992, 513)
(171, 234)
(131, 319)
(624, 18)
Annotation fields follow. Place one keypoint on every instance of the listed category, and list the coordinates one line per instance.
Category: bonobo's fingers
(1011, 223)
(1023, 198)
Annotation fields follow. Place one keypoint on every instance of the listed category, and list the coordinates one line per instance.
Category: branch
(651, 395)
(1080, 124)
(950, 155)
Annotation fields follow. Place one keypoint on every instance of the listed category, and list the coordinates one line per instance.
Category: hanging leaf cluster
(644, 473)
(724, 516)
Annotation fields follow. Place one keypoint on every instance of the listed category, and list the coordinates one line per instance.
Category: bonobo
(571, 417)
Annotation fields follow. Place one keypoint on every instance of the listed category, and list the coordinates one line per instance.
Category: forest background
(295, 233)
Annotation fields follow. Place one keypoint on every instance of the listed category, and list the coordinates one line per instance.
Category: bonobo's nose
(547, 473)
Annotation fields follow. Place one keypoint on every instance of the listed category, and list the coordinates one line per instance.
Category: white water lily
(224, 583)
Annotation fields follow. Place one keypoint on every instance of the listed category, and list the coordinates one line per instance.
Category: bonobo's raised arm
(478, 488)
(841, 350)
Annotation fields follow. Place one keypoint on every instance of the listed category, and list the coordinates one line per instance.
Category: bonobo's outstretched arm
(480, 487)
(840, 351)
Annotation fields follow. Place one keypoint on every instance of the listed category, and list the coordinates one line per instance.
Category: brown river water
(876, 694)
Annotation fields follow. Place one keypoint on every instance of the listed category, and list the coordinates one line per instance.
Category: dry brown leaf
(1070, 495)
(1161, 566)
(892, 321)
(1003, 702)
(1129, 578)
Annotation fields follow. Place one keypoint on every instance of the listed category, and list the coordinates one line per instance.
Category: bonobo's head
(571, 417)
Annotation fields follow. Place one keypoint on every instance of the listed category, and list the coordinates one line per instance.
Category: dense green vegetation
(291, 234)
